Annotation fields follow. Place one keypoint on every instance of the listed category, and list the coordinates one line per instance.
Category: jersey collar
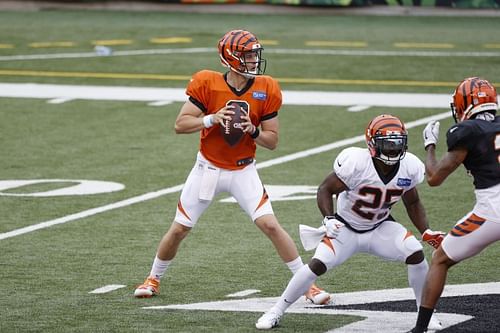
(242, 91)
(383, 177)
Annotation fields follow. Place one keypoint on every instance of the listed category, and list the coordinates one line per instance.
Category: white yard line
(371, 320)
(244, 293)
(177, 188)
(370, 53)
(94, 54)
(90, 212)
(163, 95)
(375, 53)
(107, 289)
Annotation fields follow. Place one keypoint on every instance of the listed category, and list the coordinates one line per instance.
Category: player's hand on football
(247, 125)
(433, 238)
(431, 133)
(223, 114)
(333, 226)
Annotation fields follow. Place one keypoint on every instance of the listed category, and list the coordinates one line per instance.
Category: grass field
(46, 275)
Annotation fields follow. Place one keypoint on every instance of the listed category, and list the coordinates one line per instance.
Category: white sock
(297, 287)
(416, 278)
(295, 264)
(159, 268)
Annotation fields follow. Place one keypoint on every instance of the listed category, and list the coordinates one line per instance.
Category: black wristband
(255, 134)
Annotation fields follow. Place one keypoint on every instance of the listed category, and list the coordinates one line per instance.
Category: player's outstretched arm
(416, 212)
(437, 171)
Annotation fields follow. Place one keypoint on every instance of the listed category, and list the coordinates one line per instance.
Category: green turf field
(46, 275)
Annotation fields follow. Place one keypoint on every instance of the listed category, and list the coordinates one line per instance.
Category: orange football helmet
(387, 139)
(472, 96)
(241, 51)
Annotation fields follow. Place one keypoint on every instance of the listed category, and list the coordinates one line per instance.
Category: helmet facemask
(454, 112)
(258, 63)
(250, 63)
(387, 139)
(390, 149)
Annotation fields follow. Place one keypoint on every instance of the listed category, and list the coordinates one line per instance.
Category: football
(232, 131)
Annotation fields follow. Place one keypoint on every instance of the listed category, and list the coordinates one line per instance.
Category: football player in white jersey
(367, 183)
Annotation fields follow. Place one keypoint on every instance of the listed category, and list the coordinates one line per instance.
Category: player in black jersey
(473, 141)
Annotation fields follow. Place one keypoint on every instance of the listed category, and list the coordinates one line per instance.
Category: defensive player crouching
(367, 183)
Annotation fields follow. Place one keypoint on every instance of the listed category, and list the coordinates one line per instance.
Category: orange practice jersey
(261, 98)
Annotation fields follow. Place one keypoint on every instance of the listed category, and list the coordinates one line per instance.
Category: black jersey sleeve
(460, 135)
(480, 139)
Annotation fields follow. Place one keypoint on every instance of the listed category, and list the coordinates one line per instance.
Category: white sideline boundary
(177, 188)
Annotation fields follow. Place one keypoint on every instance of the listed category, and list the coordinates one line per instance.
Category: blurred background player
(367, 183)
(221, 167)
(473, 141)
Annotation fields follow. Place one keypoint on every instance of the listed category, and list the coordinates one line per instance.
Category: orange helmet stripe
(471, 93)
(238, 38)
(386, 122)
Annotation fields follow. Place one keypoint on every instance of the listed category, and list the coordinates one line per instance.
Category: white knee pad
(411, 245)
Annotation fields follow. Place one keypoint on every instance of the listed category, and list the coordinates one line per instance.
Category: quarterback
(224, 165)
(367, 183)
(473, 141)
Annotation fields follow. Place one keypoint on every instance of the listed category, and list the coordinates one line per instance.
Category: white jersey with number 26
(370, 196)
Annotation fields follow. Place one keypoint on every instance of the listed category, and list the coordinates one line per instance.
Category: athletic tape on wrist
(208, 120)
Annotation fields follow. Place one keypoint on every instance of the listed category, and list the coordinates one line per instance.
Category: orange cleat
(150, 288)
(317, 296)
